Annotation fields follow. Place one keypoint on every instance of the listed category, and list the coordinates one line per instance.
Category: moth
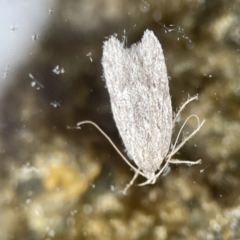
(137, 83)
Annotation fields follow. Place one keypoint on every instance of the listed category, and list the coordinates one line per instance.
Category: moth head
(149, 175)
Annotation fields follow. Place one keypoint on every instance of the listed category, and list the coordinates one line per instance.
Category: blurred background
(59, 182)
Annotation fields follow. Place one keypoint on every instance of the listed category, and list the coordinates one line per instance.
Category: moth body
(137, 82)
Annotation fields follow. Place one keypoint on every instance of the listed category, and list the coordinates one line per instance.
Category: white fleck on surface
(55, 104)
(35, 82)
(58, 71)
(90, 56)
(35, 37)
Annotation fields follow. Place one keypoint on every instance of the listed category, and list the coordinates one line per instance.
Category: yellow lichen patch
(63, 177)
(69, 182)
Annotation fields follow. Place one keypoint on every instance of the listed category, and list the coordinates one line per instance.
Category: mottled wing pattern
(138, 87)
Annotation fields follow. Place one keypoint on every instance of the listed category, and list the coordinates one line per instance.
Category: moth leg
(149, 181)
(181, 108)
(130, 183)
(178, 161)
(161, 170)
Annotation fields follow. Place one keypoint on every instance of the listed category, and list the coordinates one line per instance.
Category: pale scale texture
(138, 87)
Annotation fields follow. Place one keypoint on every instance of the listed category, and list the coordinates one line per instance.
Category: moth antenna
(176, 148)
(182, 107)
(111, 142)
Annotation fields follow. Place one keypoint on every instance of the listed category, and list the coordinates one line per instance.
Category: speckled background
(58, 182)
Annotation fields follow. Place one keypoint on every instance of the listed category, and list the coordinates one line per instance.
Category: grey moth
(137, 83)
